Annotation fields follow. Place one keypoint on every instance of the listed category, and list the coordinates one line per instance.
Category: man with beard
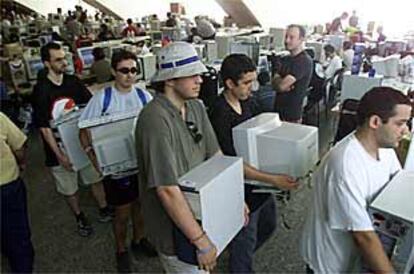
(339, 233)
(47, 91)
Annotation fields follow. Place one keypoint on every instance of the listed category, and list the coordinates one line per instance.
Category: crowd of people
(175, 133)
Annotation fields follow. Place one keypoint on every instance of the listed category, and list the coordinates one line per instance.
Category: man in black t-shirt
(55, 86)
(293, 78)
(231, 108)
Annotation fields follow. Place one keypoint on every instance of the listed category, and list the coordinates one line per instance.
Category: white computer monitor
(33, 66)
(250, 49)
(277, 147)
(85, 54)
(148, 66)
(387, 66)
(155, 36)
(113, 140)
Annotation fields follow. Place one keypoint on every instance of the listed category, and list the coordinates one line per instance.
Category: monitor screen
(33, 67)
(156, 36)
(86, 55)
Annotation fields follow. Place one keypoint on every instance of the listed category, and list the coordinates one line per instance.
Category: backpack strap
(107, 99)
(141, 96)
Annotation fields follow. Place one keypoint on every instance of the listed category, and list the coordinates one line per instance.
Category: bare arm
(372, 251)
(179, 211)
(20, 155)
(51, 141)
(284, 84)
(281, 181)
(86, 143)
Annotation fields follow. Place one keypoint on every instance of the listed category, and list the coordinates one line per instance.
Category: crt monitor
(277, 147)
(156, 35)
(33, 67)
(86, 56)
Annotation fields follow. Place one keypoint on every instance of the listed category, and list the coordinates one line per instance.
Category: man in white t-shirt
(338, 234)
(348, 55)
(121, 189)
(334, 62)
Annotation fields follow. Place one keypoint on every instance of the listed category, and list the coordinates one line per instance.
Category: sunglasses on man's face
(128, 70)
(197, 136)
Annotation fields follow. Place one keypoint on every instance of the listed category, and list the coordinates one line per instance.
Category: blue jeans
(15, 230)
(262, 224)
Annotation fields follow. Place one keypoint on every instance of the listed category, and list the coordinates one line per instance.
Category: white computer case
(392, 212)
(215, 193)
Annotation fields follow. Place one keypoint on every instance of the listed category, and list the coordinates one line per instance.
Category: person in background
(77, 63)
(292, 81)
(380, 32)
(348, 55)
(140, 29)
(338, 235)
(170, 22)
(265, 96)
(16, 243)
(333, 61)
(353, 20)
(101, 67)
(130, 30)
(105, 33)
(337, 25)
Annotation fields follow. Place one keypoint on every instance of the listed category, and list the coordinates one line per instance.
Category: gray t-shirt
(167, 150)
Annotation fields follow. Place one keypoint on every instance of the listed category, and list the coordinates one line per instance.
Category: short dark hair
(347, 45)
(129, 21)
(380, 101)
(121, 56)
(98, 53)
(45, 50)
(329, 48)
(234, 66)
(302, 31)
(263, 78)
(159, 87)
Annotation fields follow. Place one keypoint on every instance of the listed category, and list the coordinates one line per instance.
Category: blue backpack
(108, 96)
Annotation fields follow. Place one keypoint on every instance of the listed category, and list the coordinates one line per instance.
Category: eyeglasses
(197, 136)
(127, 70)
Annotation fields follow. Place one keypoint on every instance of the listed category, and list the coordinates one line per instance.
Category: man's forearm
(372, 251)
(179, 211)
(51, 141)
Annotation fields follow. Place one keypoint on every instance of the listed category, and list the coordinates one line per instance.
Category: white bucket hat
(176, 60)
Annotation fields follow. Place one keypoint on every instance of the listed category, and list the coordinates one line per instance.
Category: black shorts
(121, 191)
